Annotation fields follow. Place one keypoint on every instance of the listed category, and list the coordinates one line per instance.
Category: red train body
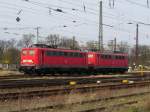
(44, 60)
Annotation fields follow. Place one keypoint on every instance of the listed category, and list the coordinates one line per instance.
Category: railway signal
(18, 19)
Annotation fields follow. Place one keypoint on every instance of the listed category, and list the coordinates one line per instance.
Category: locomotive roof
(111, 53)
(54, 48)
(69, 50)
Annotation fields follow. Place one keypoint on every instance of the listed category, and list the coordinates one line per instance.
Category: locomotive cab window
(31, 52)
(24, 52)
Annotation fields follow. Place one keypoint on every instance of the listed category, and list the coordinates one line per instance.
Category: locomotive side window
(49, 53)
(65, 54)
(116, 57)
(75, 54)
(113, 57)
(106, 56)
(55, 53)
(24, 52)
(31, 52)
(120, 57)
(109, 56)
(68, 54)
(61, 53)
(123, 57)
(80, 55)
(102, 56)
(71, 54)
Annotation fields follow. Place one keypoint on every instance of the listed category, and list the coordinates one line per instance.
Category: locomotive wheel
(28, 73)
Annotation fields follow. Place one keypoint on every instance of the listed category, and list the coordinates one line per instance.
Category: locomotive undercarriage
(71, 71)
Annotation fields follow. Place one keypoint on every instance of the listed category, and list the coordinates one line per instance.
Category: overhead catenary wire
(41, 4)
(60, 0)
(30, 11)
(97, 15)
(139, 4)
(69, 16)
(45, 6)
(109, 17)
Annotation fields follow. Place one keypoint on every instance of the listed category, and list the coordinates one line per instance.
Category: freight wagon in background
(41, 59)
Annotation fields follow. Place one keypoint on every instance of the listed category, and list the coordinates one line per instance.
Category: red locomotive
(41, 59)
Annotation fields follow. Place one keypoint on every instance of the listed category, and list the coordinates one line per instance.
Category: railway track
(18, 76)
(67, 90)
(59, 81)
(64, 90)
(112, 106)
(13, 76)
(102, 108)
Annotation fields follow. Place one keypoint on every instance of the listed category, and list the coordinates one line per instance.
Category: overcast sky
(80, 16)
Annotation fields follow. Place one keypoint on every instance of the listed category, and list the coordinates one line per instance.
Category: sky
(80, 16)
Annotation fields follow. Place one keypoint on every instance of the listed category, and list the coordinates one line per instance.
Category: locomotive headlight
(90, 55)
(29, 61)
(24, 61)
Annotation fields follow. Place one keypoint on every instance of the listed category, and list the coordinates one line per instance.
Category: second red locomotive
(41, 59)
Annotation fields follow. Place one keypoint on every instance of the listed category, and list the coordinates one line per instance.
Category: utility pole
(137, 44)
(73, 43)
(137, 40)
(148, 3)
(115, 44)
(37, 35)
(100, 42)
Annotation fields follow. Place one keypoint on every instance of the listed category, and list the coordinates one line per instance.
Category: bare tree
(2, 47)
(110, 45)
(11, 56)
(63, 42)
(92, 45)
(9, 53)
(26, 41)
(123, 47)
(53, 40)
(69, 43)
(144, 55)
